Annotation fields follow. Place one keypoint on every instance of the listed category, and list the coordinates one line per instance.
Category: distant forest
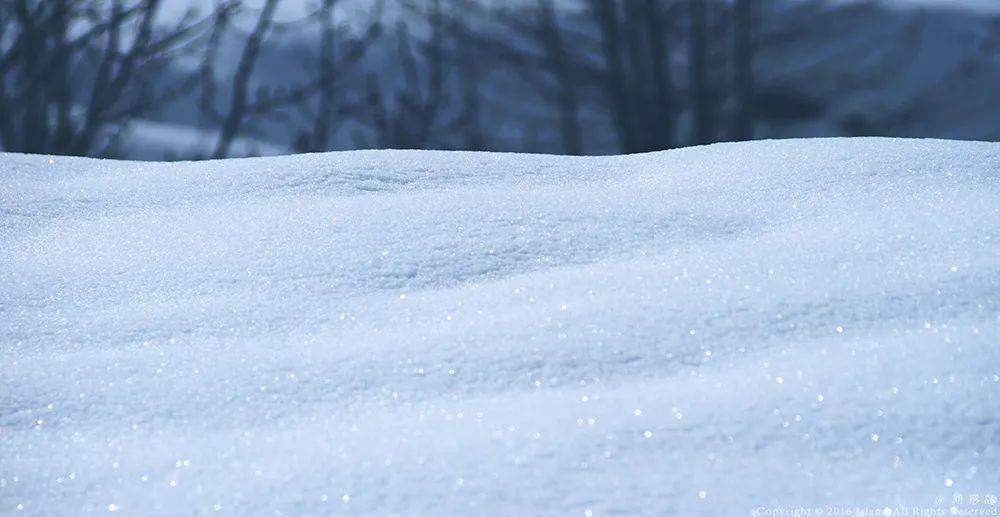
(118, 78)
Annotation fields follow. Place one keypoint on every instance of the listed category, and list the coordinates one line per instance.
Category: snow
(975, 6)
(171, 141)
(802, 324)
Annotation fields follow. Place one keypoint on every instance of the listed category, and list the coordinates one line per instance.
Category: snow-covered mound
(803, 324)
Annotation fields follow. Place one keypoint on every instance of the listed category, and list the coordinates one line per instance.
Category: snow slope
(706, 331)
(981, 6)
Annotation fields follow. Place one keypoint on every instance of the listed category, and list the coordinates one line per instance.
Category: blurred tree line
(620, 75)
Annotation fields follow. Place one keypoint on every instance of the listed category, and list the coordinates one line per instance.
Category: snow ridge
(709, 330)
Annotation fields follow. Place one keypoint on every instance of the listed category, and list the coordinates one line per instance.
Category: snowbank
(774, 325)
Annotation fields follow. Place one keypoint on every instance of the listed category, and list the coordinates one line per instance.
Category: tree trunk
(241, 81)
(637, 82)
(567, 100)
(322, 123)
(606, 14)
(743, 69)
(659, 51)
(703, 131)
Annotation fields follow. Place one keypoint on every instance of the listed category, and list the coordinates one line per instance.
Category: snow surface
(704, 331)
(981, 6)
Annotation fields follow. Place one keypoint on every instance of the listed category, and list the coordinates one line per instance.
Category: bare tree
(558, 61)
(638, 81)
(73, 73)
(636, 72)
(469, 59)
(701, 95)
(322, 121)
(409, 121)
(221, 18)
(330, 68)
(743, 80)
(240, 106)
(533, 45)
(663, 105)
(614, 76)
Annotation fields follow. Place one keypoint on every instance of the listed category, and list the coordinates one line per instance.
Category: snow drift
(803, 324)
